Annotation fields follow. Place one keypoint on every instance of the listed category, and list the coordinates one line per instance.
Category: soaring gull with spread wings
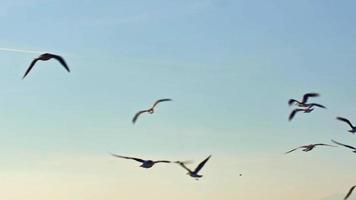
(44, 57)
(309, 147)
(150, 110)
(145, 163)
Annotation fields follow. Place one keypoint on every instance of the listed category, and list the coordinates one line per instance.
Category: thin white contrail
(21, 50)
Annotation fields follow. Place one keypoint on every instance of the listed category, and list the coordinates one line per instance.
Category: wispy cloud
(21, 50)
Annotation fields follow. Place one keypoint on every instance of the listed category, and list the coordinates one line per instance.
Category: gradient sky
(229, 65)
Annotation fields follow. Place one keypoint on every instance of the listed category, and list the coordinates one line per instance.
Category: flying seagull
(150, 110)
(353, 128)
(194, 173)
(145, 163)
(44, 57)
(309, 147)
(292, 114)
(303, 102)
(347, 146)
(350, 192)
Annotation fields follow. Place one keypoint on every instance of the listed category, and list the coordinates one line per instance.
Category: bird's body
(150, 110)
(45, 57)
(195, 174)
(350, 192)
(309, 147)
(145, 163)
(353, 128)
(345, 145)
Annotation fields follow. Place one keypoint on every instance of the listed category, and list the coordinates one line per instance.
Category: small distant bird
(347, 146)
(350, 192)
(194, 173)
(303, 102)
(45, 57)
(309, 147)
(150, 110)
(145, 163)
(353, 128)
(305, 110)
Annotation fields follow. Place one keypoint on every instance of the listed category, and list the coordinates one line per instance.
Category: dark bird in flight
(305, 110)
(145, 163)
(150, 110)
(353, 128)
(194, 173)
(347, 146)
(309, 147)
(303, 102)
(350, 192)
(44, 57)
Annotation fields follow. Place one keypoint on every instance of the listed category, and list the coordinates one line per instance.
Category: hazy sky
(229, 65)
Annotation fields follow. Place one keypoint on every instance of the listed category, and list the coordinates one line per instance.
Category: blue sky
(229, 66)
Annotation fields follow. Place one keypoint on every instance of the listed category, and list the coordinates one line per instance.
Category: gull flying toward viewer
(194, 173)
(350, 192)
(353, 128)
(309, 147)
(145, 163)
(150, 110)
(44, 57)
(347, 146)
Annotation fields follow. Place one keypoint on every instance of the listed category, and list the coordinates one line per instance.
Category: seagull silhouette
(347, 146)
(194, 173)
(350, 192)
(303, 102)
(150, 110)
(305, 110)
(309, 147)
(145, 163)
(45, 57)
(353, 128)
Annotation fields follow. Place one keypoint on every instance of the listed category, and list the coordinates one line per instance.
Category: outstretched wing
(307, 95)
(350, 192)
(292, 114)
(321, 144)
(293, 149)
(132, 158)
(345, 120)
(292, 101)
(159, 101)
(317, 105)
(61, 60)
(30, 67)
(134, 119)
(183, 165)
(348, 146)
(162, 161)
(201, 165)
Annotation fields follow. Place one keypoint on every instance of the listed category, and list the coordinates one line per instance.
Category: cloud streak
(21, 50)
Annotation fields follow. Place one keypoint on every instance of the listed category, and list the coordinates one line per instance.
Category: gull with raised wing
(44, 57)
(309, 147)
(345, 145)
(303, 102)
(145, 163)
(350, 192)
(353, 128)
(150, 110)
(194, 173)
